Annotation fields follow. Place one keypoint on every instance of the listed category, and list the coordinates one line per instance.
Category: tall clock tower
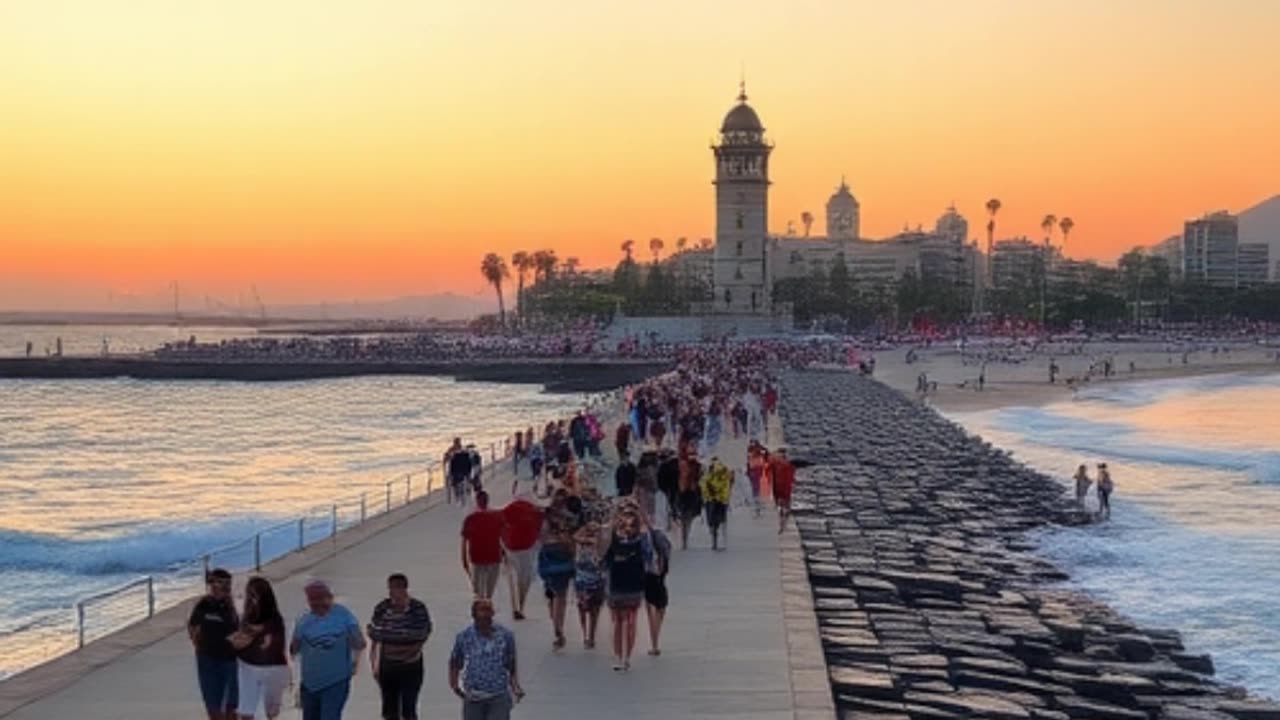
(741, 273)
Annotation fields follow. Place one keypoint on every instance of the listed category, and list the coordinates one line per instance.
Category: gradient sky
(372, 148)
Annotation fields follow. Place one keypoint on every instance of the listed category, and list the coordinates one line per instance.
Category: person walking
(536, 461)
(757, 459)
(263, 670)
(555, 561)
(656, 597)
(328, 641)
(782, 476)
(212, 622)
(625, 562)
(521, 525)
(622, 441)
(689, 499)
(1105, 486)
(1083, 481)
(482, 667)
(458, 461)
(588, 580)
(717, 486)
(400, 626)
(482, 547)
(624, 478)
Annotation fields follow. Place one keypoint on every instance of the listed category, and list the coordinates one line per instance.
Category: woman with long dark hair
(263, 673)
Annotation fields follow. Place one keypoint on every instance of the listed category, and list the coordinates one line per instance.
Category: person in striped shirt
(400, 627)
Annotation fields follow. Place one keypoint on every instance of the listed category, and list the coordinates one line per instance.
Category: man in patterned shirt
(482, 667)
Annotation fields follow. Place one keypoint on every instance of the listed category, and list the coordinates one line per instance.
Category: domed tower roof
(742, 118)
(843, 194)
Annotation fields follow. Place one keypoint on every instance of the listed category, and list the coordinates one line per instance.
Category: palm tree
(1047, 225)
(494, 270)
(993, 207)
(706, 243)
(655, 247)
(806, 218)
(544, 265)
(1065, 225)
(571, 265)
(681, 243)
(523, 263)
(627, 247)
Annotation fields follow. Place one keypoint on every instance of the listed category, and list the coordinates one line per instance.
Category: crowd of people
(592, 543)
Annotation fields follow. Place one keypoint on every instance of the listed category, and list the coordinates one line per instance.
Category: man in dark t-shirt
(624, 478)
(213, 620)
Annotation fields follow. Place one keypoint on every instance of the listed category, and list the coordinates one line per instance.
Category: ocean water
(87, 340)
(1194, 539)
(102, 481)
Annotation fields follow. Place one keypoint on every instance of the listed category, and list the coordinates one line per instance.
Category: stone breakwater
(931, 602)
(555, 374)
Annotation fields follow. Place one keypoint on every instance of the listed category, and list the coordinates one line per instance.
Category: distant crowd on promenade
(592, 542)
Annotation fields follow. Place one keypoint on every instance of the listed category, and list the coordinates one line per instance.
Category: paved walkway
(725, 643)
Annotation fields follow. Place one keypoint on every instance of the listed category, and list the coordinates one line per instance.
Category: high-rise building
(1252, 264)
(1171, 250)
(1014, 262)
(741, 275)
(1209, 249)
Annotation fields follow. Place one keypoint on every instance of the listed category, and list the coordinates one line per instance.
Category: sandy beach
(1024, 378)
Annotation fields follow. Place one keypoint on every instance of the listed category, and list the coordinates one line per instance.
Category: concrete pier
(740, 639)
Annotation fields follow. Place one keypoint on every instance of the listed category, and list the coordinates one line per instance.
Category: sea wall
(555, 375)
(930, 600)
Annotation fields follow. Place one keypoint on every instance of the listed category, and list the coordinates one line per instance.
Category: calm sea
(1194, 542)
(86, 340)
(106, 480)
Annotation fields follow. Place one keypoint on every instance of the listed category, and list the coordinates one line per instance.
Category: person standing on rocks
(1083, 481)
(1105, 486)
(717, 487)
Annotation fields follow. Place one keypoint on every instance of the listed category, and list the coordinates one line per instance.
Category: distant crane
(257, 301)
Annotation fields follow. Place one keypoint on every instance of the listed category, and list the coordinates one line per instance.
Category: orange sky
(372, 148)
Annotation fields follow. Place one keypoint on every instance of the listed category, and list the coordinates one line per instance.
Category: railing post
(408, 488)
(364, 511)
(204, 580)
(257, 552)
(151, 596)
(333, 527)
(80, 623)
(302, 533)
(388, 496)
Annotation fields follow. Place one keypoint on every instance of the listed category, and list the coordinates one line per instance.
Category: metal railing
(268, 544)
(289, 536)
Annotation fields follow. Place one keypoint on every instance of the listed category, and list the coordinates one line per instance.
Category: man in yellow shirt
(717, 486)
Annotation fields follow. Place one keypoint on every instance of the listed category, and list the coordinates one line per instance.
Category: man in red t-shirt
(523, 525)
(482, 546)
(783, 475)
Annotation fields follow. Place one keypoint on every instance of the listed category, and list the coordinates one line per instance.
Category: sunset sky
(326, 150)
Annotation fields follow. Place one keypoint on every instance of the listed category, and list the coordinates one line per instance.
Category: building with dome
(843, 214)
(741, 274)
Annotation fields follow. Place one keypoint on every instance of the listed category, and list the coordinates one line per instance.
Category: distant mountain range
(123, 309)
(441, 306)
(1261, 224)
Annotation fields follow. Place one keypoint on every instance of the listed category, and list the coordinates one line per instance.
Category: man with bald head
(482, 667)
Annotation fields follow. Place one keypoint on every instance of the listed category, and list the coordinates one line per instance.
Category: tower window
(740, 220)
(739, 247)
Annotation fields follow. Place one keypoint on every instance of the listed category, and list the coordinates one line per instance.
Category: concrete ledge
(810, 686)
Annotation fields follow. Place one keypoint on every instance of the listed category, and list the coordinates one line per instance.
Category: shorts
(655, 591)
(625, 601)
(555, 567)
(484, 579)
(521, 564)
(218, 687)
(261, 685)
(589, 598)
